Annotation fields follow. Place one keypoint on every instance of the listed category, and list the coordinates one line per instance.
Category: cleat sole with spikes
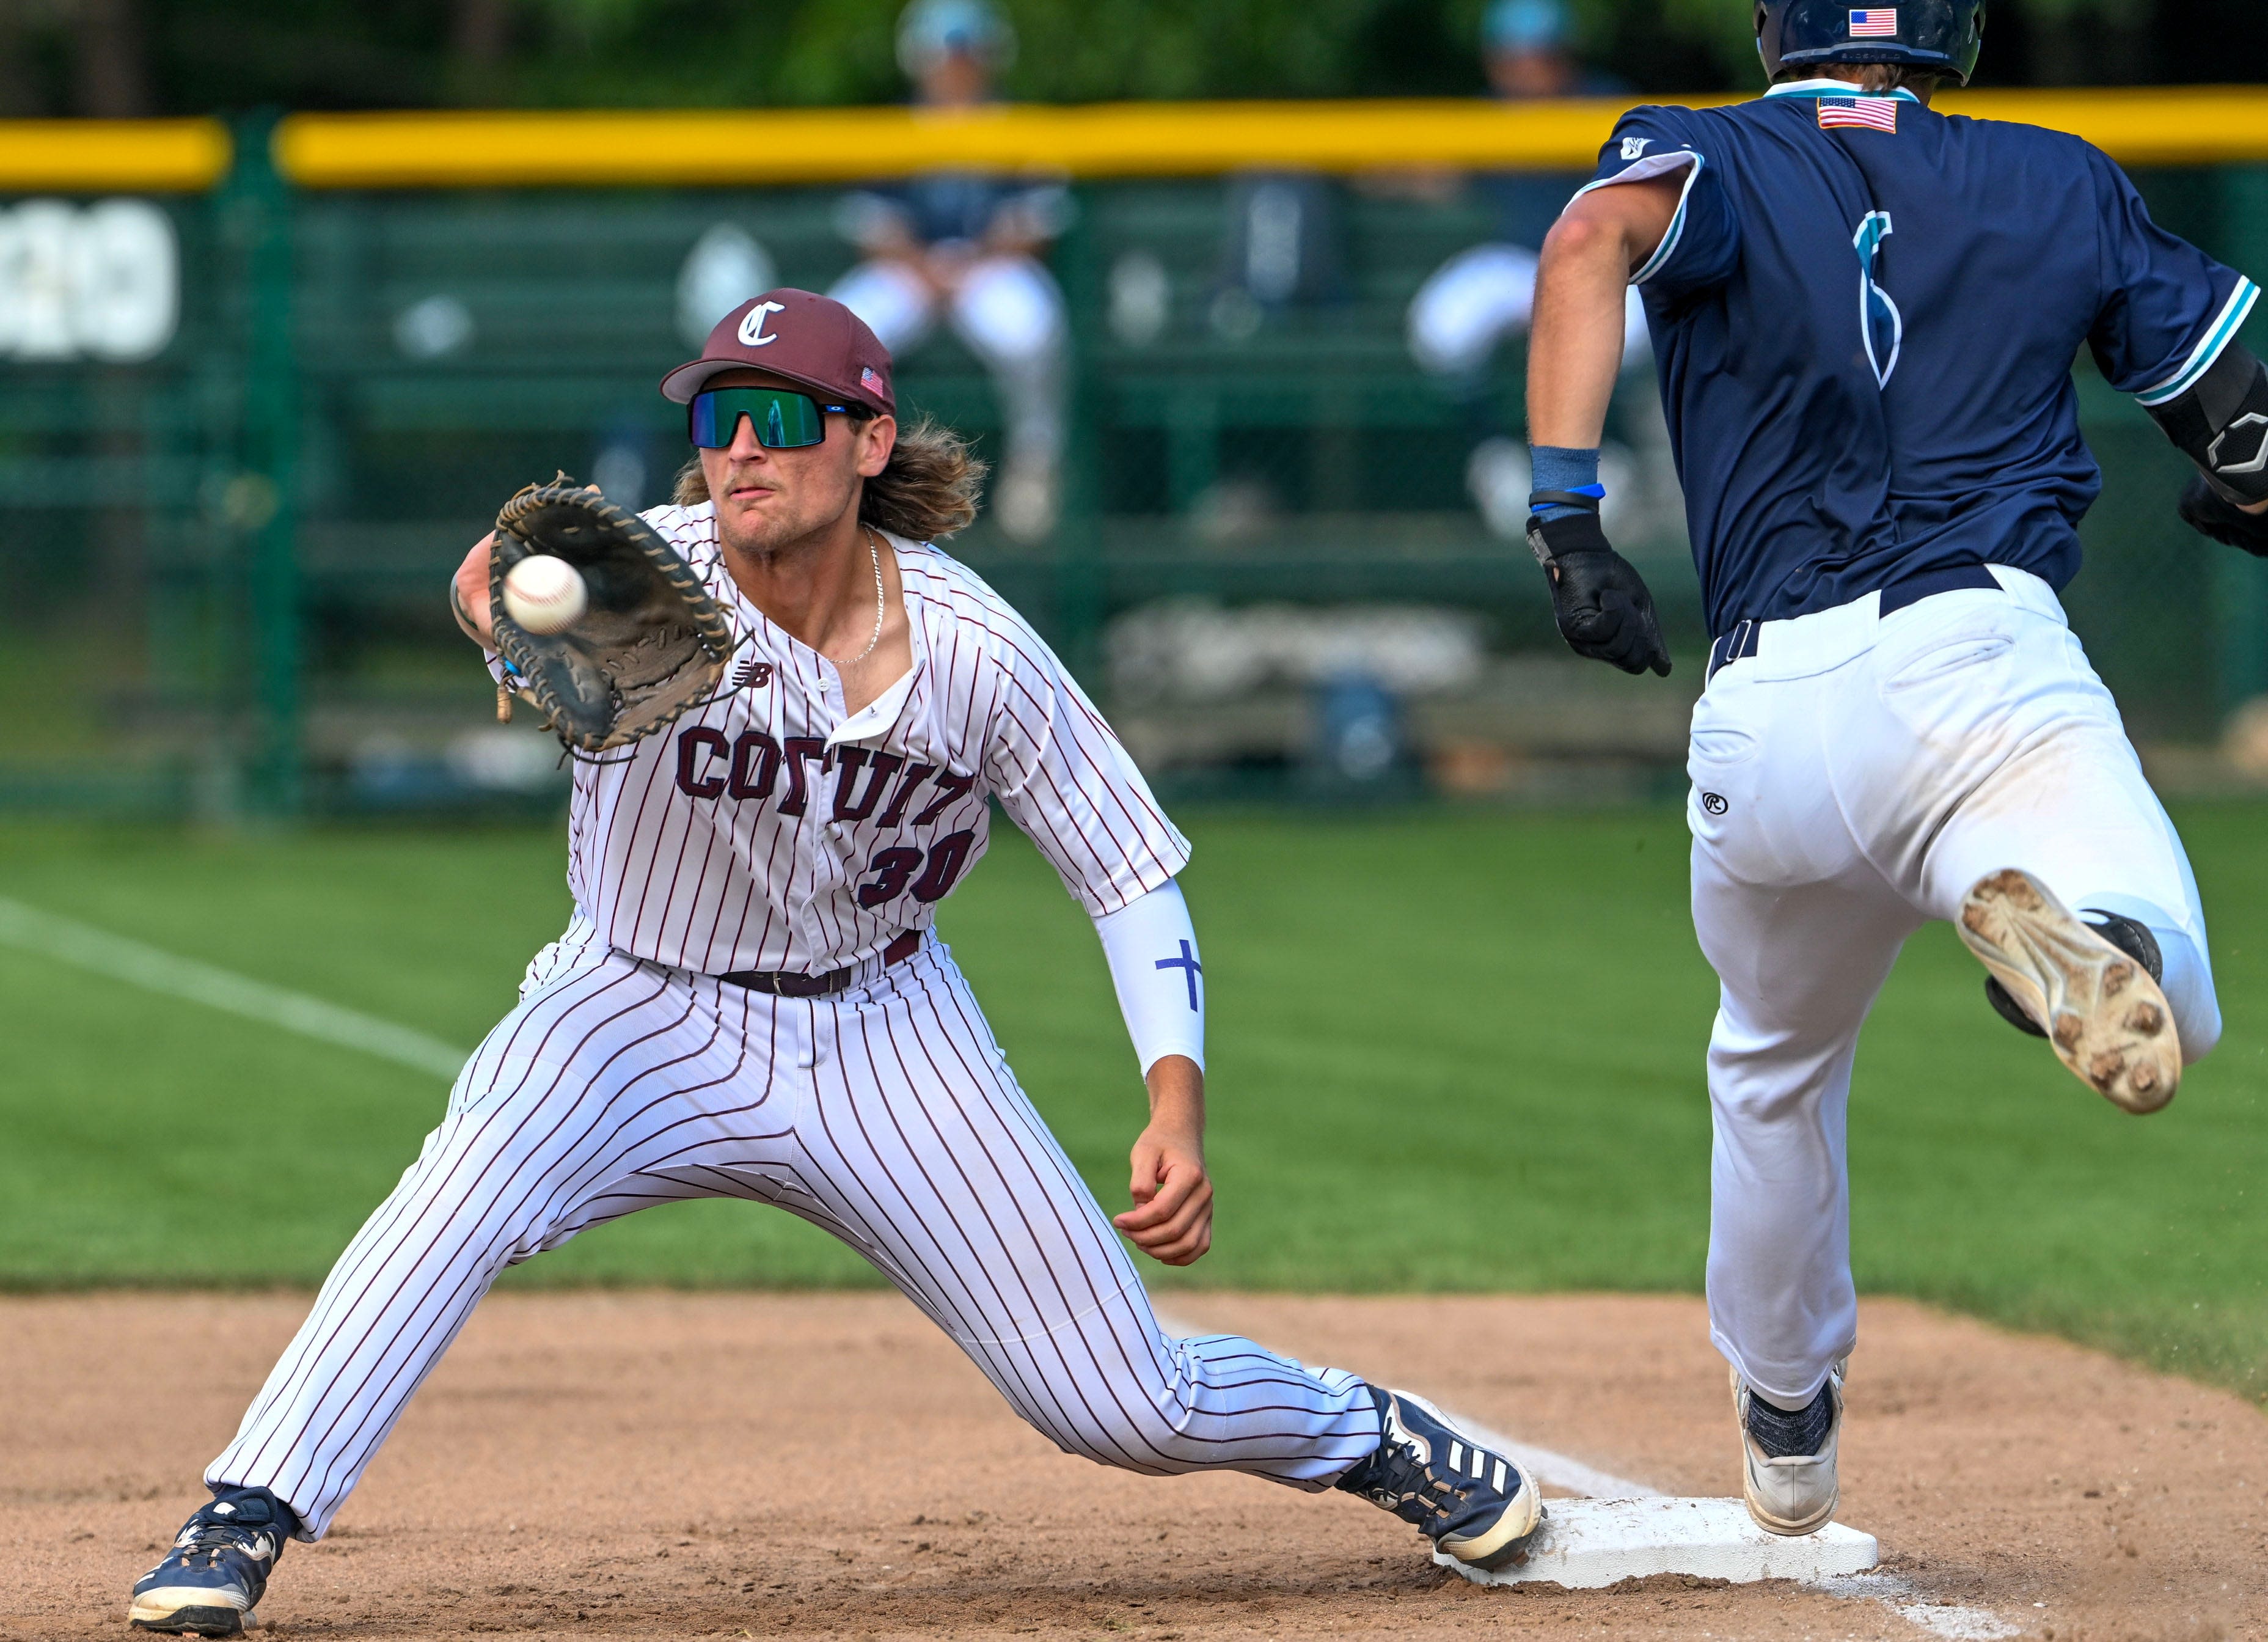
(2101, 1012)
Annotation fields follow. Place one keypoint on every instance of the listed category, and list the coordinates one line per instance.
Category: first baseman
(749, 1003)
(1865, 314)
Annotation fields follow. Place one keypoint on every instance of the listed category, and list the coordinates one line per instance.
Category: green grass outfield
(1450, 1052)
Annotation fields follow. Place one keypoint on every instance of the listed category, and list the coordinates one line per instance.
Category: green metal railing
(221, 566)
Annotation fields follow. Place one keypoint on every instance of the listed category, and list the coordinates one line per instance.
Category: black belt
(1922, 584)
(1741, 641)
(786, 983)
(1734, 646)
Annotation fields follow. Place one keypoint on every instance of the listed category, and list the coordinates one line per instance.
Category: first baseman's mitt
(651, 645)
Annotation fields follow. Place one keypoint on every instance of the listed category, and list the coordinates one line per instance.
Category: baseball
(544, 593)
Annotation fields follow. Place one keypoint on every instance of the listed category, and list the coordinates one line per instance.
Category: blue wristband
(1563, 468)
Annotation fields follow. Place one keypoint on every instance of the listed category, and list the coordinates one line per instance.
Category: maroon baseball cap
(798, 335)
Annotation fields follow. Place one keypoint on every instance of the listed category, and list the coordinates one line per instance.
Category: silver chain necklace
(874, 555)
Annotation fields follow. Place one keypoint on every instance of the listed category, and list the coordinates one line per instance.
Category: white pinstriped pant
(885, 1114)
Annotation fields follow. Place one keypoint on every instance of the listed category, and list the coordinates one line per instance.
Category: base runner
(1867, 313)
(749, 1003)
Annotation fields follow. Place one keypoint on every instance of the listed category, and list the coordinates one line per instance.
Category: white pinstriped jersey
(770, 831)
(767, 831)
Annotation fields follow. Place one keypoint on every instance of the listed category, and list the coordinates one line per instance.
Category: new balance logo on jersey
(1634, 147)
(751, 672)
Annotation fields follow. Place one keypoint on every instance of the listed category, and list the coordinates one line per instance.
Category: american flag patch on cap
(1878, 25)
(1868, 114)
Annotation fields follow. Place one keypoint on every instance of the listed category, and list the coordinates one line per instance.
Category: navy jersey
(1865, 315)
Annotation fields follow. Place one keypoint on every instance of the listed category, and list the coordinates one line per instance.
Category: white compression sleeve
(1152, 949)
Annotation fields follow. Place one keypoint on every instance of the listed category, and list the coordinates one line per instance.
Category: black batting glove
(2208, 512)
(1600, 602)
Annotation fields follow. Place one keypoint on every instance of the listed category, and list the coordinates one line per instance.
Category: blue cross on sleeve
(1188, 960)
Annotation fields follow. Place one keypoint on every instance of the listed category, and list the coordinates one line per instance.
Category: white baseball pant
(1851, 781)
(1010, 312)
(883, 1114)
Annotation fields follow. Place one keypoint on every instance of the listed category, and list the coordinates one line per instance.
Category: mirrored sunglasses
(783, 419)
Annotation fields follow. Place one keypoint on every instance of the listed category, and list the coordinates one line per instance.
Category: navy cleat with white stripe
(1474, 1503)
(212, 1579)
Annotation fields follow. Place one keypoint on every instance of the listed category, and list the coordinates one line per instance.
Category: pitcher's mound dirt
(648, 1465)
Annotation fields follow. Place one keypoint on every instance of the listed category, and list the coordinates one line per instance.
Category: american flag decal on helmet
(1865, 113)
(1876, 25)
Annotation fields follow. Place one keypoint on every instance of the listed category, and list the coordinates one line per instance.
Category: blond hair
(928, 490)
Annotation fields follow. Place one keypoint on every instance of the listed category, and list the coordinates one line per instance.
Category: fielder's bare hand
(1171, 1220)
(469, 594)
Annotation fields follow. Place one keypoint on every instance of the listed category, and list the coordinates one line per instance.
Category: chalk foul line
(1953, 1621)
(116, 957)
(1561, 1471)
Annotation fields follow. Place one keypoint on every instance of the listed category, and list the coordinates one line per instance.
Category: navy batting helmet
(1939, 35)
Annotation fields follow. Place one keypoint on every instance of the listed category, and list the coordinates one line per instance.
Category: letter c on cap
(751, 324)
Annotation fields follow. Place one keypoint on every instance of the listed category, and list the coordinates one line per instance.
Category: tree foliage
(180, 56)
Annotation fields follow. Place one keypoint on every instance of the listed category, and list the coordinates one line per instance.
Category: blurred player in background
(1486, 292)
(1866, 314)
(967, 246)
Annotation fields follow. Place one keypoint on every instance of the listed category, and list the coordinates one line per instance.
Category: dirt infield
(652, 1465)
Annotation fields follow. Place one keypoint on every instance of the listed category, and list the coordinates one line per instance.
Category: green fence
(222, 559)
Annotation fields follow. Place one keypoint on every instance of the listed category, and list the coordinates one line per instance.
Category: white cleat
(1796, 1494)
(2098, 1005)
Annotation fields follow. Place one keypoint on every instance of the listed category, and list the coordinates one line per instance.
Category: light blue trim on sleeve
(1640, 171)
(2217, 335)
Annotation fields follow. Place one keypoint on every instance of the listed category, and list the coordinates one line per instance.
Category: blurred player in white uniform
(967, 246)
(749, 1003)
(1483, 295)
